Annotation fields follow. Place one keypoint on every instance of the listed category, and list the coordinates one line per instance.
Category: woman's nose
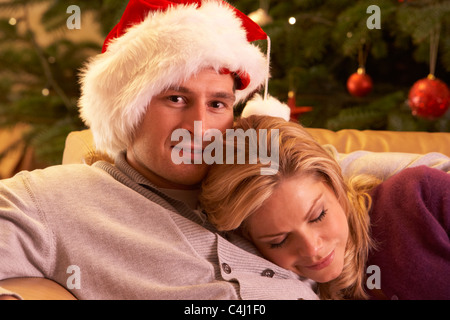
(310, 246)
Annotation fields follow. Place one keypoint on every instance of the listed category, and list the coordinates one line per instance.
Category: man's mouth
(189, 153)
(188, 148)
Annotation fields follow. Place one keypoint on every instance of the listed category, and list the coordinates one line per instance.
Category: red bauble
(359, 84)
(429, 98)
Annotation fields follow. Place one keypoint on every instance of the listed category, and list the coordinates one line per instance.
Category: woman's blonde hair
(233, 192)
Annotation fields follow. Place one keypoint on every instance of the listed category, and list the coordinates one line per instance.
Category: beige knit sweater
(104, 232)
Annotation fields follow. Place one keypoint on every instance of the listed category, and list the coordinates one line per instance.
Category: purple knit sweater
(410, 221)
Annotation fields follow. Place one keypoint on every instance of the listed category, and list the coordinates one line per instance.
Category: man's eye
(175, 99)
(217, 105)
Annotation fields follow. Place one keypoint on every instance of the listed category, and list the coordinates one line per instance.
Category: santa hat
(160, 43)
(269, 106)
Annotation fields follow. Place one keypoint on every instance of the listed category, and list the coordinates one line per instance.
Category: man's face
(207, 97)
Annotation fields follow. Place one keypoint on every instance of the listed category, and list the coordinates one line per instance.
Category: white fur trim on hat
(268, 107)
(167, 48)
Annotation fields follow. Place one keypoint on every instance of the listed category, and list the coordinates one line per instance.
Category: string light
(12, 21)
(292, 20)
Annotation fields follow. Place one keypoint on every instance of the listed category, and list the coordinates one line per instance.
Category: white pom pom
(270, 107)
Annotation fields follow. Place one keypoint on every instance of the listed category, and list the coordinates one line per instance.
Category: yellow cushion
(16, 159)
(79, 143)
(349, 140)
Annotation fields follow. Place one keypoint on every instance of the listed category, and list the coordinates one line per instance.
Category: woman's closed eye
(320, 217)
(278, 244)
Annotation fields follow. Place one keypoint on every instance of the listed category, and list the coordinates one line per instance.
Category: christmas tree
(39, 79)
(316, 46)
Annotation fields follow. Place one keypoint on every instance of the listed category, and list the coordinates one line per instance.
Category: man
(130, 230)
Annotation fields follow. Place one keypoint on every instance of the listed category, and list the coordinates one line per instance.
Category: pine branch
(44, 63)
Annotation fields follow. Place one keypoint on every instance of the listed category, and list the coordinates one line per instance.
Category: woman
(307, 219)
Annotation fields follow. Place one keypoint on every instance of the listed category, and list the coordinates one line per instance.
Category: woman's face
(302, 228)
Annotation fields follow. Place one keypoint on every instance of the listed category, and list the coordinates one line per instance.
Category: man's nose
(195, 118)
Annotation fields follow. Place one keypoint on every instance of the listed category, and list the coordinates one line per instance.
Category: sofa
(79, 144)
(403, 147)
(18, 156)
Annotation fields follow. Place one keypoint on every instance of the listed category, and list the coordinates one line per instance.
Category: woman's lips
(325, 262)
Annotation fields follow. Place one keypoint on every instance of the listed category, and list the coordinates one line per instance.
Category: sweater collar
(127, 175)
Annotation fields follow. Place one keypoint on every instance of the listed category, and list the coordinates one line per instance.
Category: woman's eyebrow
(313, 205)
(308, 214)
(275, 235)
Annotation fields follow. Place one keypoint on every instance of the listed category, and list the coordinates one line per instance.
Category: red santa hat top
(158, 44)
